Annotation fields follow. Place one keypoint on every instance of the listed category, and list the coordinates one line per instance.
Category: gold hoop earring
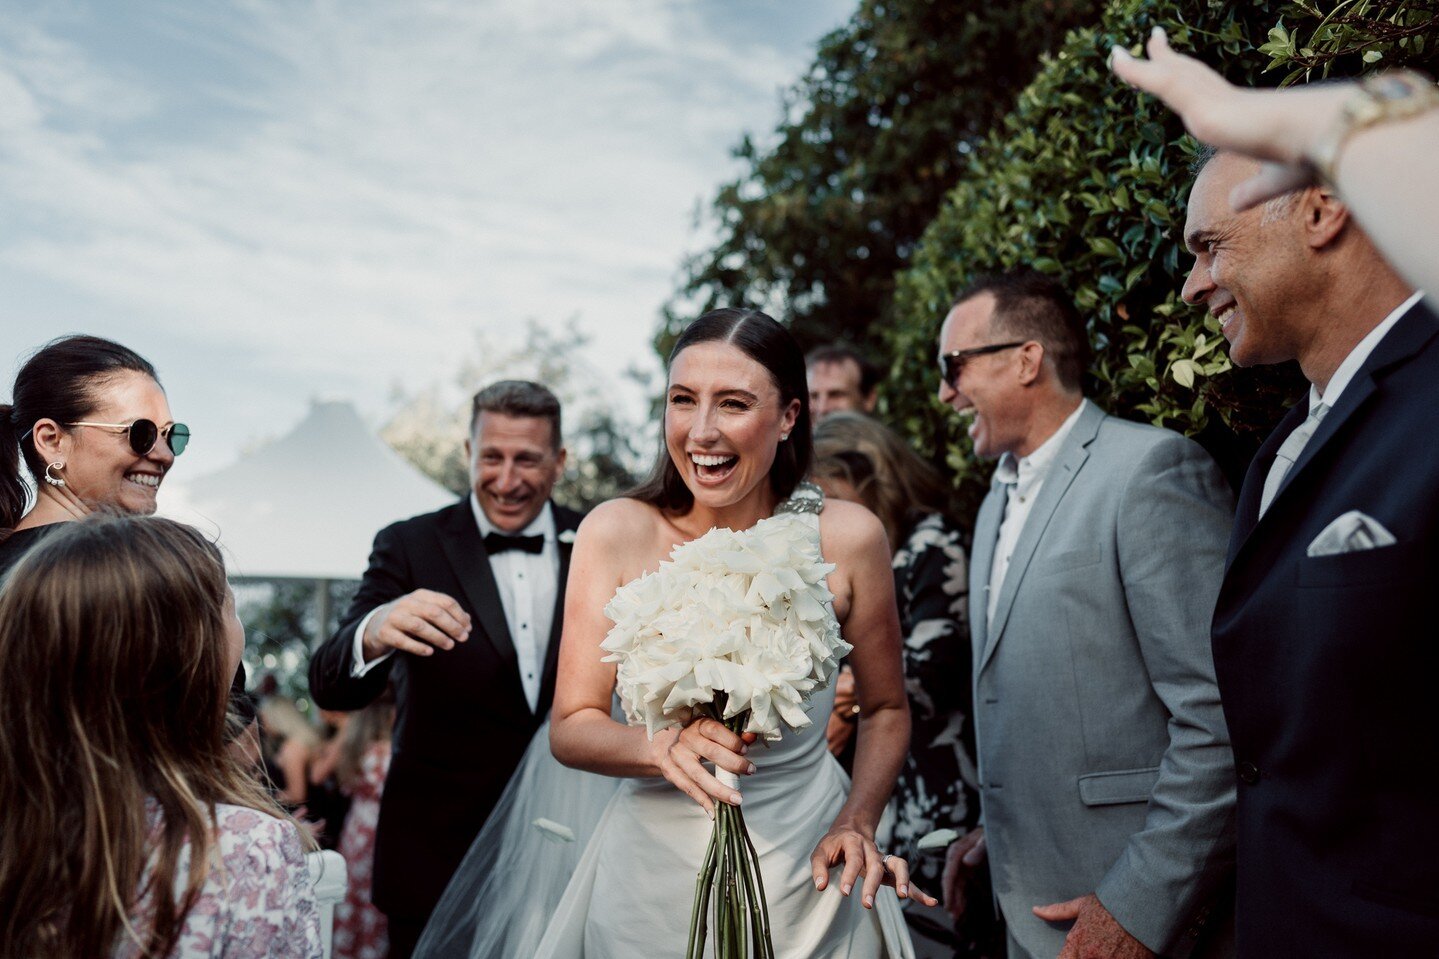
(56, 481)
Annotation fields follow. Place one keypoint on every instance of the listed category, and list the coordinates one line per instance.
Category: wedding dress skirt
(633, 889)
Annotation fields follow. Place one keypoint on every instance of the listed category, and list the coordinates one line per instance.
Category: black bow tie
(499, 543)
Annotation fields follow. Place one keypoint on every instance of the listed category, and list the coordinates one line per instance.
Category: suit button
(1249, 773)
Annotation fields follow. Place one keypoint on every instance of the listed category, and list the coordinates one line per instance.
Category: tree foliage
(871, 138)
(1087, 180)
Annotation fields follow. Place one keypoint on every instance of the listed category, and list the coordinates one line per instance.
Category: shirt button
(520, 575)
(1249, 773)
(524, 625)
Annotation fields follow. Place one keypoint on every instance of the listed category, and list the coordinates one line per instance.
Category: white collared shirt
(528, 585)
(1023, 478)
(1359, 356)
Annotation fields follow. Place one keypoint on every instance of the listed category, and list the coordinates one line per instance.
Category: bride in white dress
(737, 445)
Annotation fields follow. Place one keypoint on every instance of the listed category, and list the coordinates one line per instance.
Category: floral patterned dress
(257, 900)
(360, 928)
(938, 785)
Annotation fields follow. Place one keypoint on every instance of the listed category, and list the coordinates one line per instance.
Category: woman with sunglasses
(93, 428)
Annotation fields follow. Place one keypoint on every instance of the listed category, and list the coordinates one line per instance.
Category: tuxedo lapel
(460, 539)
(565, 524)
(1066, 467)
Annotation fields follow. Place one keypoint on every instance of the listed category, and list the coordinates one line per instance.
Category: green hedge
(1087, 180)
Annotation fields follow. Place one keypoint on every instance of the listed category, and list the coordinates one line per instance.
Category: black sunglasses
(143, 434)
(952, 364)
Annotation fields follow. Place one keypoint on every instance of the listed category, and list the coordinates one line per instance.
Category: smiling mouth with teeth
(713, 465)
(1225, 315)
(147, 480)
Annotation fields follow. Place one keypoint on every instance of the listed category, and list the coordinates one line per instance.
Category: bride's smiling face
(723, 421)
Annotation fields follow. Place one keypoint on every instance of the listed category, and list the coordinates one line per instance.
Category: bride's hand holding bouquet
(679, 754)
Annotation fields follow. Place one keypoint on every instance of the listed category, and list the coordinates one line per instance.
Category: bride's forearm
(589, 739)
(883, 743)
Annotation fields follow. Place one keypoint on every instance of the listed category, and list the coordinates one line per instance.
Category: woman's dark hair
(62, 382)
(771, 346)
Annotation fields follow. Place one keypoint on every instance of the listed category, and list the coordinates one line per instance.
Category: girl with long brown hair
(128, 829)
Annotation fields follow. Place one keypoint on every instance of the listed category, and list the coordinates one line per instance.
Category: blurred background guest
(364, 761)
(858, 458)
(840, 378)
(291, 745)
(327, 801)
(130, 828)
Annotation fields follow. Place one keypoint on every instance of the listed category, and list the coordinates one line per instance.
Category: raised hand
(681, 756)
(419, 622)
(1278, 127)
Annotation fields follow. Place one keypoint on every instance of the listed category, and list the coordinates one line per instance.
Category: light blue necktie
(1288, 455)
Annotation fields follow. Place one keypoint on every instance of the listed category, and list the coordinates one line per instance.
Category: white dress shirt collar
(1359, 356)
(1027, 472)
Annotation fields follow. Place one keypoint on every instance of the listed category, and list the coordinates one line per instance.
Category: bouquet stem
(730, 875)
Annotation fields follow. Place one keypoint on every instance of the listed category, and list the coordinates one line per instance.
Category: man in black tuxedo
(461, 609)
(1324, 636)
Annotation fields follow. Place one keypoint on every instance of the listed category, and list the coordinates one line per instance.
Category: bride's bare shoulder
(618, 521)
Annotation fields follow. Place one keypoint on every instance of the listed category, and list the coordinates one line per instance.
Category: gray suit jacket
(1104, 760)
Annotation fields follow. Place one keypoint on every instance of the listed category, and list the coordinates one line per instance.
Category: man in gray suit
(1105, 770)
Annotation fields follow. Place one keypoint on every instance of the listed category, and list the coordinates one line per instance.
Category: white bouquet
(738, 626)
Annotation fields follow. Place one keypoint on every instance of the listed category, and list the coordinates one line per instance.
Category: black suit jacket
(461, 722)
(1328, 668)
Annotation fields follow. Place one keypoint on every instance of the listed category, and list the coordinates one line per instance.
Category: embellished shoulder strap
(806, 498)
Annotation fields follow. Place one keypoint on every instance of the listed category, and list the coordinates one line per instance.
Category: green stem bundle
(730, 877)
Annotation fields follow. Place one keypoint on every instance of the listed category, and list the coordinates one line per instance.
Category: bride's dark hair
(771, 346)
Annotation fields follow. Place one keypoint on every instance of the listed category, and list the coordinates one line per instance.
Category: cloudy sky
(276, 201)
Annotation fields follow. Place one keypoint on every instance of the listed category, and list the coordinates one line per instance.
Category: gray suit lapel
(1066, 466)
(986, 533)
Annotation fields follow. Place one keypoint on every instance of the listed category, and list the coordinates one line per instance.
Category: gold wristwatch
(1391, 95)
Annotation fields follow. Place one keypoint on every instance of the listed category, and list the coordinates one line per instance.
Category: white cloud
(339, 194)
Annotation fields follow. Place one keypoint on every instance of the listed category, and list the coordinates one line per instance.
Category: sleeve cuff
(358, 666)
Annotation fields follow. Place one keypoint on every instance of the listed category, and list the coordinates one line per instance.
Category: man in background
(840, 378)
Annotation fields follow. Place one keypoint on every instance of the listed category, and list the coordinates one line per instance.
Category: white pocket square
(1351, 533)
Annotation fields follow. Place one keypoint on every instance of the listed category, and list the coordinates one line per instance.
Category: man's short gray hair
(518, 398)
(1275, 208)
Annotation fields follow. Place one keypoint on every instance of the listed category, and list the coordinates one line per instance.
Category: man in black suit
(460, 608)
(1324, 637)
